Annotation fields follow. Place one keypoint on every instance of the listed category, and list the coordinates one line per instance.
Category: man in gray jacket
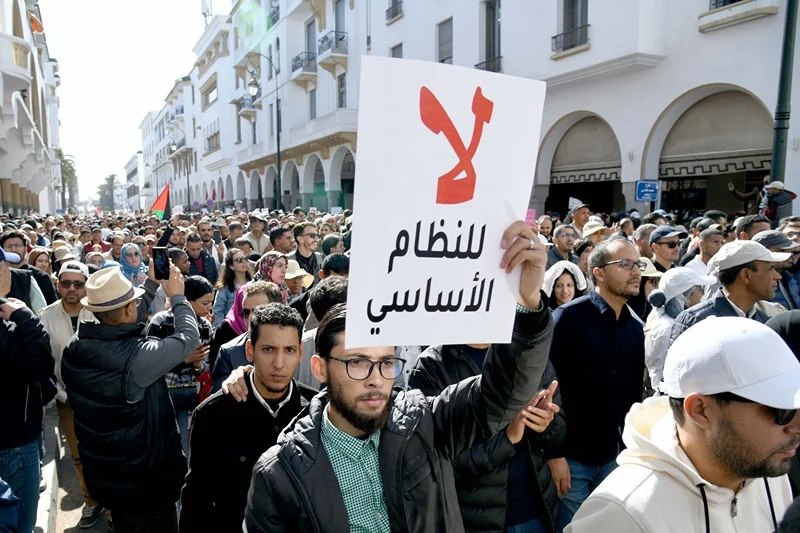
(364, 456)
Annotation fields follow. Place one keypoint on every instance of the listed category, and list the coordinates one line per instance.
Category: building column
(25, 199)
(15, 203)
(629, 191)
(334, 199)
(538, 198)
(306, 199)
(5, 194)
(36, 203)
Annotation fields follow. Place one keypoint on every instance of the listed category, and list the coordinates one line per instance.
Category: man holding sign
(390, 452)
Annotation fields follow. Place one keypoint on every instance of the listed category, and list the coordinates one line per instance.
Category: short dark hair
(581, 246)
(298, 229)
(729, 275)
(715, 214)
(272, 291)
(241, 240)
(277, 233)
(600, 255)
(195, 287)
(329, 329)
(676, 404)
(745, 224)
(274, 314)
(562, 228)
(194, 237)
(328, 292)
(330, 242)
(298, 209)
(336, 264)
(14, 234)
(176, 254)
(649, 218)
(235, 225)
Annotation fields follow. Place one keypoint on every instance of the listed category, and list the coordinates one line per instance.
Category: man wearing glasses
(306, 254)
(665, 242)
(713, 454)
(61, 320)
(563, 240)
(598, 354)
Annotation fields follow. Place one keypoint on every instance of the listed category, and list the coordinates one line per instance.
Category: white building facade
(134, 170)
(679, 91)
(30, 168)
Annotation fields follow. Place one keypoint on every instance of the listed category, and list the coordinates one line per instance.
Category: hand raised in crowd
(211, 318)
(235, 385)
(221, 250)
(174, 285)
(559, 470)
(198, 355)
(151, 271)
(537, 415)
(9, 307)
(523, 247)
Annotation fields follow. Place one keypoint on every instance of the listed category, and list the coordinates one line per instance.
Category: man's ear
(319, 368)
(321, 274)
(698, 409)
(249, 349)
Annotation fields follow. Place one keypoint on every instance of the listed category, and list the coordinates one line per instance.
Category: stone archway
(341, 182)
(707, 138)
(229, 196)
(256, 200)
(290, 185)
(270, 177)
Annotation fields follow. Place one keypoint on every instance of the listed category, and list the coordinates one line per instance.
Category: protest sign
(336, 210)
(451, 148)
(177, 210)
(573, 203)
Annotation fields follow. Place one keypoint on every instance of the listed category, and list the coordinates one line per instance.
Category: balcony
(247, 108)
(274, 16)
(725, 13)
(395, 12)
(180, 147)
(249, 154)
(332, 51)
(571, 41)
(14, 62)
(304, 68)
(491, 65)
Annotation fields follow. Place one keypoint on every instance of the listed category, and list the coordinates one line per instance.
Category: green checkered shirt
(357, 467)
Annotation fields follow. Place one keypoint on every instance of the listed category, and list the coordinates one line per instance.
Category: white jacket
(657, 332)
(656, 488)
(57, 324)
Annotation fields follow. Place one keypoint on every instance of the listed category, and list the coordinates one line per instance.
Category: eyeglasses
(68, 284)
(131, 254)
(360, 368)
(312, 235)
(567, 235)
(671, 244)
(14, 246)
(241, 259)
(782, 416)
(245, 313)
(627, 264)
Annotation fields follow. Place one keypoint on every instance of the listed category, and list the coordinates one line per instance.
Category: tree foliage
(105, 192)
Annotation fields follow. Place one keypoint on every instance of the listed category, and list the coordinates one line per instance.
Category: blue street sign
(196, 204)
(646, 191)
(210, 203)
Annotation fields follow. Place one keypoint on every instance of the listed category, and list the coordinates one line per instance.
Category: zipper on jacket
(298, 485)
(734, 509)
(399, 475)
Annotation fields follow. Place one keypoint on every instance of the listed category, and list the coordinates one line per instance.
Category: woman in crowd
(182, 380)
(563, 282)
(272, 267)
(40, 258)
(235, 273)
(133, 268)
(678, 289)
(95, 258)
(582, 249)
(230, 328)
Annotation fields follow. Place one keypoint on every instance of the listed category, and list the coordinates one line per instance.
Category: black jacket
(222, 335)
(599, 360)
(230, 357)
(25, 361)
(716, 306)
(209, 267)
(482, 472)
(295, 489)
(227, 439)
(44, 282)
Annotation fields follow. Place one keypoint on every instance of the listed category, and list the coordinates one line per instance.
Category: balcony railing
(333, 41)
(494, 64)
(716, 4)
(179, 144)
(248, 102)
(274, 15)
(395, 10)
(306, 61)
(571, 39)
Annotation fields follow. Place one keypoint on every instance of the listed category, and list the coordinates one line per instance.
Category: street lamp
(253, 86)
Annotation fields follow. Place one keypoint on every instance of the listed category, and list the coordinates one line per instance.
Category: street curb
(48, 500)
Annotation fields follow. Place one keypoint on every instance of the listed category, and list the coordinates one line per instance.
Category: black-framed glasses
(671, 244)
(312, 235)
(360, 368)
(245, 313)
(782, 416)
(68, 283)
(627, 264)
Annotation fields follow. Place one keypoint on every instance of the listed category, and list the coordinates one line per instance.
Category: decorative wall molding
(712, 164)
(586, 173)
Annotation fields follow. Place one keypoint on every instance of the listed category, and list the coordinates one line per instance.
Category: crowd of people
(651, 383)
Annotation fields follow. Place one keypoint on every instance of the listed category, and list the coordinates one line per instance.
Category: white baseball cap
(742, 252)
(75, 267)
(736, 355)
(678, 280)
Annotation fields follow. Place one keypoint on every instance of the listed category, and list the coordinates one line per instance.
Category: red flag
(214, 195)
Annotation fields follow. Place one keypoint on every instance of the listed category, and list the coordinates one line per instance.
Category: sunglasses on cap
(671, 244)
(782, 416)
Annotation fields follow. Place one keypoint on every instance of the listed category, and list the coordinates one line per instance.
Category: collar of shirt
(603, 307)
(349, 445)
(740, 312)
(264, 403)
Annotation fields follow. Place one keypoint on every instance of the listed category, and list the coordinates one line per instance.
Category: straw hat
(107, 290)
(650, 269)
(293, 270)
(63, 254)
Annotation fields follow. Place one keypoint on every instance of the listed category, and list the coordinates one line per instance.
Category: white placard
(446, 163)
(177, 210)
(573, 203)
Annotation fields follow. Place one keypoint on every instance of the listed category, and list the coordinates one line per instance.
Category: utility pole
(783, 108)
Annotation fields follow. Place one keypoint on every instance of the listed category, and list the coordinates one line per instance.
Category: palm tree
(69, 180)
(106, 192)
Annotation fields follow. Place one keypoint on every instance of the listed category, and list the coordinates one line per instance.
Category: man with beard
(16, 243)
(597, 341)
(306, 254)
(228, 436)
(694, 457)
(346, 465)
(787, 293)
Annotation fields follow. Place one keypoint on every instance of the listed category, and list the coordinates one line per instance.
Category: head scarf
(34, 254)
(555, 271)
(264, 268)
(128, 271)
(234, 316)
(92, 254)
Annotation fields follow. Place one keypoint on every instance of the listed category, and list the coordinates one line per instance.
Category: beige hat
(650, 270)
(775, 185)
(293, 270)
(108, 289)
(62, 253)
(592, 226)
(58, 244)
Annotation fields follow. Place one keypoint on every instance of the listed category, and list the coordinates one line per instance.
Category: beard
(71, 298)
(732, 451)
(368, 423)
(625, 289)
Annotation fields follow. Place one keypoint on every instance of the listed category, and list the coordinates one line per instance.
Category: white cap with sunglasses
(734, 355)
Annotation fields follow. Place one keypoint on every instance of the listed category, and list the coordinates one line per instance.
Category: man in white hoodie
(713, 455)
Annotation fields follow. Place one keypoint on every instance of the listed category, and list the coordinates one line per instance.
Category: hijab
(264, 268)
(34, 254)
(234, 316)
(131, 273)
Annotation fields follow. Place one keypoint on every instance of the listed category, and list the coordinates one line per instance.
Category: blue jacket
(716, 306)
(223, 303)
(209, 266)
